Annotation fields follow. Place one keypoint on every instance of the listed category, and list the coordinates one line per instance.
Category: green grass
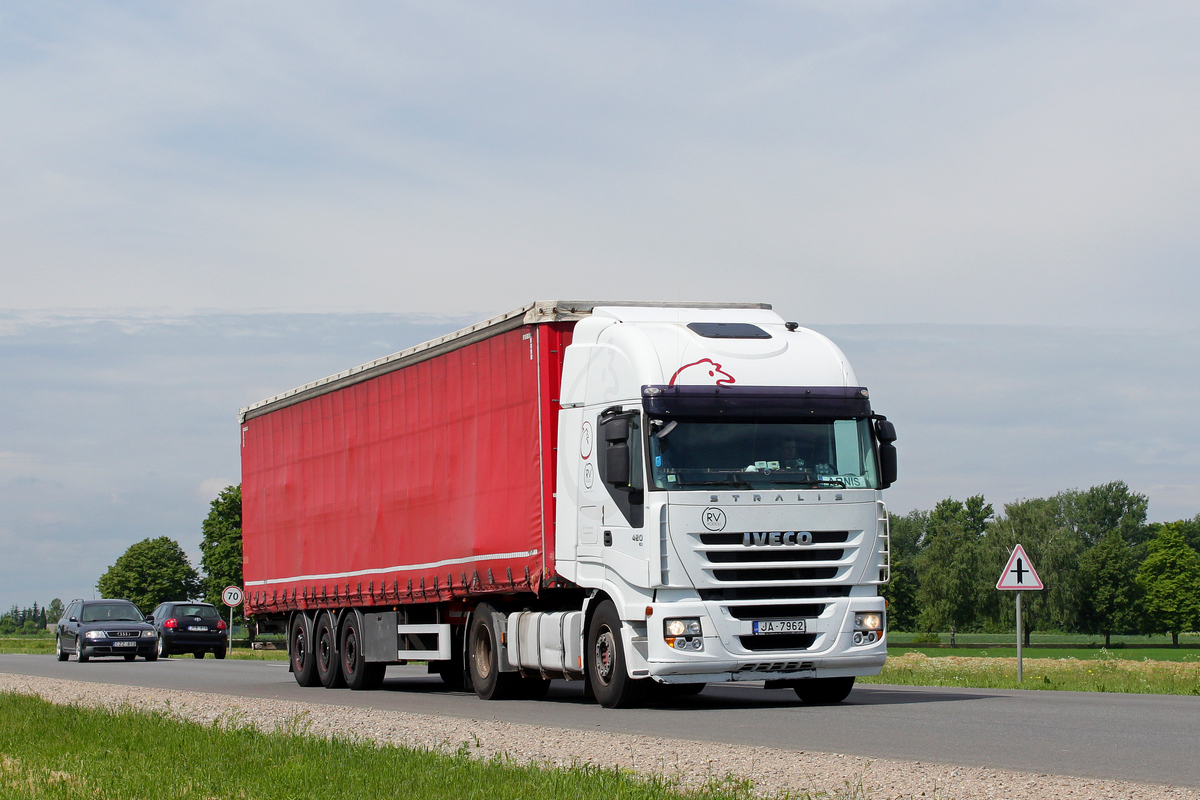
(44, 645)
(1077, 639)
(1010, 651)
(37, 645)
(53, 751)
(1102, 672)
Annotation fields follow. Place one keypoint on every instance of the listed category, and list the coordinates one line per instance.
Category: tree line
(156, 570)
(1106, 570)
(30, 620)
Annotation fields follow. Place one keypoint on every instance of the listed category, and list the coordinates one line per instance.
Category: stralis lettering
(776, 538)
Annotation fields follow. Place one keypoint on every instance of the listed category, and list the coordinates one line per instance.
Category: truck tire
(329, 668)
(606, 669)
(300, 651)
(360, 674)
(483, 661)
(824, 691)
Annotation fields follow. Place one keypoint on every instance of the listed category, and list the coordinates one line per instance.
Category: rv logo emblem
(714, 519)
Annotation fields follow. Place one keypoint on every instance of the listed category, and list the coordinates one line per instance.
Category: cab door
(623, 544)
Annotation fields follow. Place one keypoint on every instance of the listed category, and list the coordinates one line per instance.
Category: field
(53, 751)
(1102, 672)
(40, 644)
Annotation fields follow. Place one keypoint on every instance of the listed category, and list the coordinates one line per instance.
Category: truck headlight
(683, 634)
(868, 627)
(868, 622)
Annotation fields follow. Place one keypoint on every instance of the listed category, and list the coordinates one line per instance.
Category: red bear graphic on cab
(702, 372)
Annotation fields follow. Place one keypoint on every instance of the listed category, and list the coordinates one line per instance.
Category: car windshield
(208, 612)
(111, 612)
(838, 453)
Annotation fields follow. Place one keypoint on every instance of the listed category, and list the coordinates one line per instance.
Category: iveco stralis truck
(646, 497)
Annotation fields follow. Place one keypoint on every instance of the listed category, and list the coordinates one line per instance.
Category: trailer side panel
(425, 483)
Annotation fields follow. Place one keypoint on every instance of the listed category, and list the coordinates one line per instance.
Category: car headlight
(683, 634)
(150, 634)
(95, 635)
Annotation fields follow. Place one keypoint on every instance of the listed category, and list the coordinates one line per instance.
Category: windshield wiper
(826, 482)
(733, 481)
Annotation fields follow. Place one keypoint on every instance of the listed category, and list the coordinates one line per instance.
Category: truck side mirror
(616, 464)
(887, 464)
(885, 431)
(616, 429)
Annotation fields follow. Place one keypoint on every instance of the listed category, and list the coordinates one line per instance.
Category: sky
(991, 207)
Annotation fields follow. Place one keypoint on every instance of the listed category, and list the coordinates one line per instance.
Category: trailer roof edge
(541, 311)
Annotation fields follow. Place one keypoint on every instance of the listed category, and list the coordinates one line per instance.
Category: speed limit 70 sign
(232, 596)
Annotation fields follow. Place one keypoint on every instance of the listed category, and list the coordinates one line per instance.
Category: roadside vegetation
(53, 751)
(1103, 672)
(43, 644)
(1108, 573)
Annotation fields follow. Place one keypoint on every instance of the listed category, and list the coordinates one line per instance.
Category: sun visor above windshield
(757, 402)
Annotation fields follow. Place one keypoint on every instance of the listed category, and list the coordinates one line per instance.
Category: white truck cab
(719, 477)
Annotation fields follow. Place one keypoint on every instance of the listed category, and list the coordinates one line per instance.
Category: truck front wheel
(484, 661)
(300, 651)
(606, 670)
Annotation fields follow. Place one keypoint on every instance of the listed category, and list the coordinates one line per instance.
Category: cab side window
(620, 462)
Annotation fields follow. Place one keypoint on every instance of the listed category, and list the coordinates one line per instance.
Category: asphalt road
(1142, 738)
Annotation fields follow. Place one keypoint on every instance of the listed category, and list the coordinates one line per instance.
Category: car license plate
(124, 644)
(197, 628)
(779, 626)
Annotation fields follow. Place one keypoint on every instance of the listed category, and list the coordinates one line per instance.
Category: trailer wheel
(329, 671)
(483, 661)
(824, 691)
(607, 673)
(360, 674)
(300, 651)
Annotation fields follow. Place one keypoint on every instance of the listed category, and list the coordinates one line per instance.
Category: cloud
(926, 163)
(209, 488)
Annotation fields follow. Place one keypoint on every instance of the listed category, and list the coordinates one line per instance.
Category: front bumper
(731, 652)
(194, 641)
(116, 647)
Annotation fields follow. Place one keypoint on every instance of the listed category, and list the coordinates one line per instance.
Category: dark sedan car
(90, 628)
(194, 628)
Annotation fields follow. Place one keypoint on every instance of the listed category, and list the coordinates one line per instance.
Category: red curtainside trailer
(423, 477)
(635, 495)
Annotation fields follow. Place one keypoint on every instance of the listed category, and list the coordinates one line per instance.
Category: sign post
(232, 597)
(1019, 576)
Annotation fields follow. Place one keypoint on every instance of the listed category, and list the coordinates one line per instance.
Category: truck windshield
(836, 453)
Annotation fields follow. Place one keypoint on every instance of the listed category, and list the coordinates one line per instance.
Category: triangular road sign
(1018, 573)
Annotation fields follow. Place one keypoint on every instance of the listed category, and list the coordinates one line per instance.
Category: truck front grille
(822, 557)
(778, 641)
(789, 611)
(771, 556)
(800, 574)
